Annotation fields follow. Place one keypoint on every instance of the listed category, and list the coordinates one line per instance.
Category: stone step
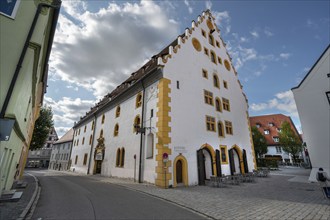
(11, 197)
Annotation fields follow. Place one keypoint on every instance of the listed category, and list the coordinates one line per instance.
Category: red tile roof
(271, 123)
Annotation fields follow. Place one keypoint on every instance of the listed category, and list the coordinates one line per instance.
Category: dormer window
(266, 131)
(276, 139)
(279, 129)
(258, 125)
(271, 124)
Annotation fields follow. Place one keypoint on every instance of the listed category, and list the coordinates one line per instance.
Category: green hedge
(271, 163)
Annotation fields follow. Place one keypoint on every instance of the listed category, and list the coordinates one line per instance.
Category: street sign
(165, 157)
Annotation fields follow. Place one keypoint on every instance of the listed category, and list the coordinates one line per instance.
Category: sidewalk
(15, 210)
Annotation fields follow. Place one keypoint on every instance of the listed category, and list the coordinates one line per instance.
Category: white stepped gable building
(186, 102)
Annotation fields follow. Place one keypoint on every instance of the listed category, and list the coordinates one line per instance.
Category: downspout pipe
(142, 133)
(92, 145)
(23, 53)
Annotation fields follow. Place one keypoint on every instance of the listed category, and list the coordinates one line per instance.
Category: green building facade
(27, 30)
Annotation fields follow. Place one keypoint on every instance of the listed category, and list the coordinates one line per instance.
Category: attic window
(276, 139)
(206, 51)
(227, 65)
(219, 60)
(266, 131)
(203, 33)
(258, 125)
(217, 43)
(211, 39)
(271, 124)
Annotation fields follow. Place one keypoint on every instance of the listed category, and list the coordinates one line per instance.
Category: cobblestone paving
(273, 197)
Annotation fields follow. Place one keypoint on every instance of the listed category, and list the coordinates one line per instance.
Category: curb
(29, 205)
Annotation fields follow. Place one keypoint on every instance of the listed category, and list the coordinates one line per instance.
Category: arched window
(117, 111)
(211, 39)
(216, 81)
(118, 158)
(213, 57)
(138, 101)
(103, 118)
(137, 123)
(90, 139)
(116, 130)
(122, 157)
(101, 133)
(218, 105)
(221, 132)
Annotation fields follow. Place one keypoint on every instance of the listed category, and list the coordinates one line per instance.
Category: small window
(278, 149)
(205, 74)
(90, 139)
(122, 157)
(218, 105)
(227, 65)
(210, 123)
(229, 127)
(208, 97)
(226, 104)
(279, 129)
(177, 84)
(76, 160)
(224, 157)
(137, 123)
(221, 132)
(225, 84)
(258, 125)
(276, 139)
(203, 33)
(77, 142)
(266, 131)
(85, 128)
(138, 101)
(206, 51)
(217, 43)
(92, 128)
(117, 111)
(216, 81)
(213, 57)
(83, 141)
(101, 133)
(211, 40)
(85, 159)
(151, 113)
(118, 158)
(116, 130)
(219, 60)
(79, 131)
(271, 124)
(103, 118)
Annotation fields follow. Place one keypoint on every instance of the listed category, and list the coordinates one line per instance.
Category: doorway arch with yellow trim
(212, 152)
(240, 157)
(184, 170)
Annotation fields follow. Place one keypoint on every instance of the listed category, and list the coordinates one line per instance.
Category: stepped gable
(149, 66)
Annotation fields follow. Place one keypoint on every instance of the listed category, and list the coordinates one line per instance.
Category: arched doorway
(236, 160)
(180, 171)
(205, 163)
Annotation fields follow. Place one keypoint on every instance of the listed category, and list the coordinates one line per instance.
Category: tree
(42, 128)
(289, 141)
(259, 142)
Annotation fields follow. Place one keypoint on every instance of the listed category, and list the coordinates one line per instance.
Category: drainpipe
(142, 133)
(26, 45)
(91, 151)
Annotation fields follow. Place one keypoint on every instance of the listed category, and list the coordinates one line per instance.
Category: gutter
(142, 133)
(26, 45)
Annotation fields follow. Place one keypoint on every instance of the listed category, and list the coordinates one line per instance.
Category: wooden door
(201, 167)
(179, 171)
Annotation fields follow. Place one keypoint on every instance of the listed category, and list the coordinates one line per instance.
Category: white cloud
(283, 102)
(99, 50)
(208, 4)
(190, 9)
(67, 110)
(255, 34)
(285, 55)
(268, 32)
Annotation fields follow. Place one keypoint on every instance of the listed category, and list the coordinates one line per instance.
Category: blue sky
(99, 43)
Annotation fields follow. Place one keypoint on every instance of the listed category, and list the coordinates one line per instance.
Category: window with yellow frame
(138, 101)
(224, 154)
(117, 111)
(208, 97)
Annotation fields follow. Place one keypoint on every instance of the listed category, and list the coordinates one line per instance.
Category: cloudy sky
(99, 43)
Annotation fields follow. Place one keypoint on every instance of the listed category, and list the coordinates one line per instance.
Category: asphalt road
(81, 197)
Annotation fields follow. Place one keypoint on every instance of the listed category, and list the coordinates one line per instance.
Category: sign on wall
(9, 7)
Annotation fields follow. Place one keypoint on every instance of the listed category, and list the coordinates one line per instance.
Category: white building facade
(178, 120)
(61, 152)
(312, 98)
